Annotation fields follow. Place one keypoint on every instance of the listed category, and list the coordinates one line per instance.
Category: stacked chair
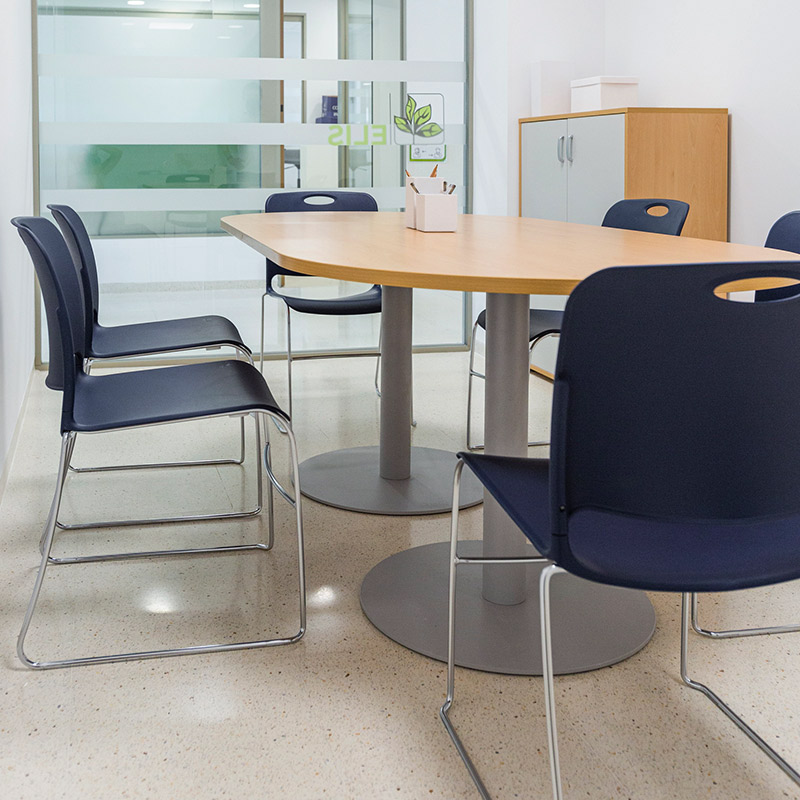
(209, 332)
(671, 468)
(138, 399)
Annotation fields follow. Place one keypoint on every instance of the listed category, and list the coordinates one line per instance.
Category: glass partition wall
(158, 117)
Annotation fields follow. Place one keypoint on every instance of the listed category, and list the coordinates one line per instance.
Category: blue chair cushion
(368, 302)
(704, 556)
(127, 399)
(164, 336)
(542, 322)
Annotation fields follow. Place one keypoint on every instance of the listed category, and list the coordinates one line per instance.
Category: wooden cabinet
(574, 166)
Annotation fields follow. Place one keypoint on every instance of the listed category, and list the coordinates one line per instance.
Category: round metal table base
(350, 479)
(405, 597)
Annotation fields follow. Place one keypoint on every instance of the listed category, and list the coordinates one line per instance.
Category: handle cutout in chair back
(769, 289)
(648, 214)
(319, 200)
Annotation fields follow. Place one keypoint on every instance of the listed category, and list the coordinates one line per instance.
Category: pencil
(433, 174)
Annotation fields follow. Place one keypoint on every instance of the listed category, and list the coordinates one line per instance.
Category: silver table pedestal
(394, 478)
(405, 596)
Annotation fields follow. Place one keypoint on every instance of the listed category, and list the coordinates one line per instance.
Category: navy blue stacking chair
(672, 468)
(634, 215)
(368, 302)
(137, 399)
(140, 339)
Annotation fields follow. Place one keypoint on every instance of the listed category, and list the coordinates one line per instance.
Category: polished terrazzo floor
(345, 713)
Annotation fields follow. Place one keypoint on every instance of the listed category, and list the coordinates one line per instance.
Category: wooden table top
(513, 255)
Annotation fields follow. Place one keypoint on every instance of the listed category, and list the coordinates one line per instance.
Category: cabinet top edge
(636, 110)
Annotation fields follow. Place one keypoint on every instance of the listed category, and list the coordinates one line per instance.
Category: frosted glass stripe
(259, 133)
(260, 69)
(87, 200)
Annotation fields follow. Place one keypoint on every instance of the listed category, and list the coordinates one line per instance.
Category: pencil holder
(424, 186)
(437, 212)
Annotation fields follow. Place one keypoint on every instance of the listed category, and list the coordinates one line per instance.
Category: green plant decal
(432, 129)
(417, 121)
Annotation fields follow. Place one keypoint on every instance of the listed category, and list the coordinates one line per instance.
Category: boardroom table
(508, 258)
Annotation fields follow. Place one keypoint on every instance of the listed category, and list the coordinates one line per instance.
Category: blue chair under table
(107, 403)
(367, 302)
(671, 467)
(633, 214)
(208, 332)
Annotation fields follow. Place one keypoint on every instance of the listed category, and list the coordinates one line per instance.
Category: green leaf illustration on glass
(421, 117)
(431, 129)
(417, 121)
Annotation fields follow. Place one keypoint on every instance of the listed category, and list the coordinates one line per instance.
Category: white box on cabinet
(604, 91)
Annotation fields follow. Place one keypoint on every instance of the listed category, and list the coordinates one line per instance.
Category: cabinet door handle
(560, 149)
(570, 147)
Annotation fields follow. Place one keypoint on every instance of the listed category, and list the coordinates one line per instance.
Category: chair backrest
(80, 247)
(634, 215)
(783, 235)
(306, 201)
(683, 408)
(63, 296)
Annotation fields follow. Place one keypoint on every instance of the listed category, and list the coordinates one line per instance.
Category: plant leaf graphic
(431, 129)
(411, 107)
(402, 124)
(422, 116)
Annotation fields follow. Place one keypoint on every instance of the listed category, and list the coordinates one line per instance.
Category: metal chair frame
(228, 515)
(688, 621)
(67, 444)
(455, 562)
(736, 633)
(687, 609)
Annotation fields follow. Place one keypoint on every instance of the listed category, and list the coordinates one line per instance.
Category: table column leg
(393, 478)
(396, 381)
(506, 432)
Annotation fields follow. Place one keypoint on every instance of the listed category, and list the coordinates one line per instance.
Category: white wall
(510, 35)
(16, 198)
(726, 53)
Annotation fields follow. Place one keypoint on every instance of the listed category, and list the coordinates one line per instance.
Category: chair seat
(164, 336)
(542, 322)
(127, 399)
(368, 302)
(691, 557)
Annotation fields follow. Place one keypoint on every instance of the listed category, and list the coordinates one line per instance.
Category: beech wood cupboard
(574, 166)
